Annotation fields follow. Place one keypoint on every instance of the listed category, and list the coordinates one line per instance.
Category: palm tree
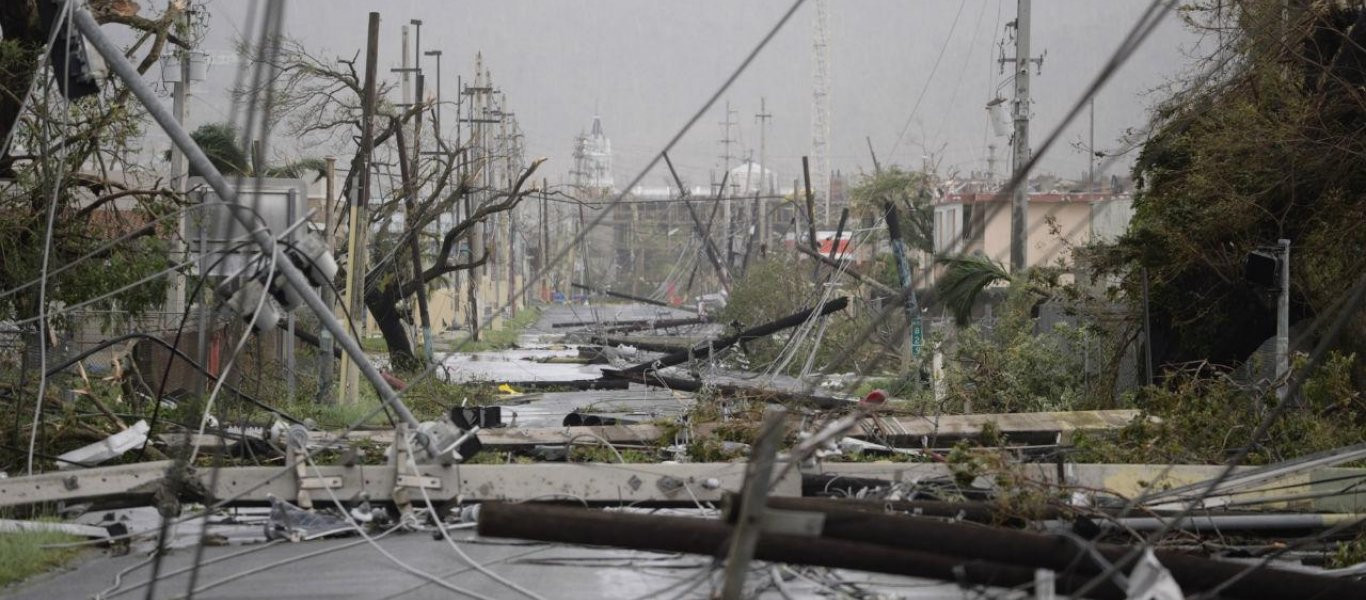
(964, 279)
(219, 143)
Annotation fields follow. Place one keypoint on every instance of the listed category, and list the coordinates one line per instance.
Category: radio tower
(820, 111)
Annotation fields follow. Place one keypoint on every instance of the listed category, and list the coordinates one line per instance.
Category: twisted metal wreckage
(926, 520)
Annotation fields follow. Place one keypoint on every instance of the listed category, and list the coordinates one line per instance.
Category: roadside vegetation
(23, 555)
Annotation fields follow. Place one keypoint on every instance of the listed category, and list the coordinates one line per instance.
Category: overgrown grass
(373, 343)
(22, 554)
(429, 400)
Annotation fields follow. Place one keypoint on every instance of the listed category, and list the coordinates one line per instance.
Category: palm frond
(964, 279)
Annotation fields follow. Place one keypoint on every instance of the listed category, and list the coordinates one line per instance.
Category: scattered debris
(110, 448)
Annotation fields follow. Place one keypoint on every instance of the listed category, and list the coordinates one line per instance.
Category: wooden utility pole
(810, 207)
(1019, 207)
(544, 241)
(476, 118)
(410, 173)
(766, 187)
(510, 221)
(358, 247)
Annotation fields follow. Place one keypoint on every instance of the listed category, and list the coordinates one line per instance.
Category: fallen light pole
(706, 349)
(200, 163)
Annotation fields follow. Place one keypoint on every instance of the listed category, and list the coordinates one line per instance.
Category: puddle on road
(518, 364)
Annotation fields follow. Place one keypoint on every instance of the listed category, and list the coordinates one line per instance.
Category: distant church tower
(595, 160)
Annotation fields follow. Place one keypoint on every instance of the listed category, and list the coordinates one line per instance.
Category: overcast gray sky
(647, 66)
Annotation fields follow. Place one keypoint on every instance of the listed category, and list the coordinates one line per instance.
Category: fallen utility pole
(632, 323)
(114, 58)
(847, 272)
(968, 426)
(1037, 551)
(588, 288)
(571, 525)
(705, 350)
(645, 345)
(657, 324)
(655, 378)
(991, 513)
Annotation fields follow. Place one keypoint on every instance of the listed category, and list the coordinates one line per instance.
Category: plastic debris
(1152, 581)
(111, 447)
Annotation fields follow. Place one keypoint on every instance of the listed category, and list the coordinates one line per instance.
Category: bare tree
(321, 100)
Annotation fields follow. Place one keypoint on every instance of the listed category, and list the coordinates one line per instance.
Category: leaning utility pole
(292, 274)
(412, 176)
(903, 270)
(358, 247)
(1019, 209)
